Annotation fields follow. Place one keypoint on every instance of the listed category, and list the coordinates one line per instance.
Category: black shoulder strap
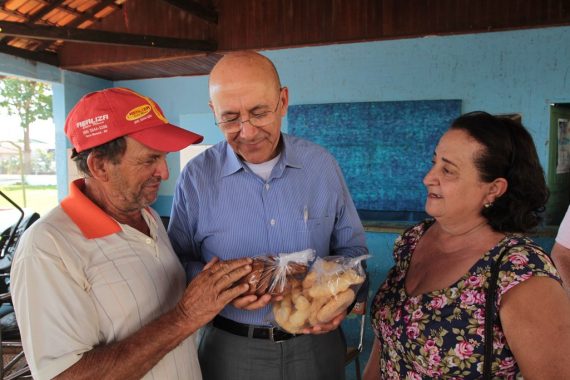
(490, 314)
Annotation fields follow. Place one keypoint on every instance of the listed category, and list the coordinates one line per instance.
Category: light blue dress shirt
(222, 209)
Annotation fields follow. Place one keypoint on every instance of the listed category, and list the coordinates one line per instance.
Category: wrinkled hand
(324, 328)
(211, 290)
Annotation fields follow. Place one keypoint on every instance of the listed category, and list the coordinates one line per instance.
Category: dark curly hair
(112, 150)
(509, 152)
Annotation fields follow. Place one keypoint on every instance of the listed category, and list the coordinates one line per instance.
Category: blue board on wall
(383, 148)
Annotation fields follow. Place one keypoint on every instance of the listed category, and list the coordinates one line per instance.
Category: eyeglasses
(257, 120)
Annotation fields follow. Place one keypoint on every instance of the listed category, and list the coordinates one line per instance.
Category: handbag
(490, 315)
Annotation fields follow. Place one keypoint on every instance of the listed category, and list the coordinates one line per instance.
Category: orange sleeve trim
(91, 220)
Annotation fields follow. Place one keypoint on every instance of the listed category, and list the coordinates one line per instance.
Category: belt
(273, 334)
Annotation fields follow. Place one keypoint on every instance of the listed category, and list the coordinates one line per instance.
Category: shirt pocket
(316, 233)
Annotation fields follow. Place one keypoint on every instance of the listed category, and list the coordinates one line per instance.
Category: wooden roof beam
(73, 11)
(45, 10)
(49, 58)
(43, 32)
(88, 15)
(91, 12)
(37, 16)
(12, 13)
(193, 7)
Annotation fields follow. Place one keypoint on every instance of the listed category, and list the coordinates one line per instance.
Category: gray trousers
(225, 356)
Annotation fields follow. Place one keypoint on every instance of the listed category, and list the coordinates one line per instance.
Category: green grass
(40, 199)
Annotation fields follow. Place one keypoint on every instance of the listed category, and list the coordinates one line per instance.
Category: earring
(487, 205)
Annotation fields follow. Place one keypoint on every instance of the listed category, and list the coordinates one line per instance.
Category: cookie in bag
(275, 274)
(328, 289)
(259, 277)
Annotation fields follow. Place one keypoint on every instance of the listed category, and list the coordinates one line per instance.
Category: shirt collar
(231, 164)
(151, 221)
(91, 220)
(289, 157)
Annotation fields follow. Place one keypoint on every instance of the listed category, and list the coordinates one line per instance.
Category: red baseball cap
(105, 115)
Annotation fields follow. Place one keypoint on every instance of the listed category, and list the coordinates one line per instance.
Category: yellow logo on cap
(138, 112)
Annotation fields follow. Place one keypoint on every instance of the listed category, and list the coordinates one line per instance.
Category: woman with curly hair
(471, 296)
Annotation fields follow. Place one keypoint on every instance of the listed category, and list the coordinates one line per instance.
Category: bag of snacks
(276, 275)
(328, 289)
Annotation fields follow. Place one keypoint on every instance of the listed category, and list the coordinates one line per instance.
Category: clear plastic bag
(277, 274)
(328, 289)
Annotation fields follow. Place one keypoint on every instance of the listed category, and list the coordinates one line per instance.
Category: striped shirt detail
(222, 209)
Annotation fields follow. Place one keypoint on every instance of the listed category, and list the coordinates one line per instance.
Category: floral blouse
(441, 334)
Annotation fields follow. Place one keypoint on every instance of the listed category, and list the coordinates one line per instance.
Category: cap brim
(166, 138)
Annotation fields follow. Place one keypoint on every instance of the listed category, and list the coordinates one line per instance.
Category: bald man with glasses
(262, 192)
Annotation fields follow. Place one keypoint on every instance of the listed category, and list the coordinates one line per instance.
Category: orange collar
(91, 220)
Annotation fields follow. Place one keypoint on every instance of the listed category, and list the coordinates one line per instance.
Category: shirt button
(272, 222)
(148, 240)
(266, 186)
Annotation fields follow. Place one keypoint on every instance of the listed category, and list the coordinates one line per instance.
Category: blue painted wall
(10, 65)
(502, 72)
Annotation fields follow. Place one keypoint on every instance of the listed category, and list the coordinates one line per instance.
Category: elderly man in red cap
(97, 288)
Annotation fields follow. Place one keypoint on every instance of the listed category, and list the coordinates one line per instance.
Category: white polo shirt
(563, 236)
(80, 279)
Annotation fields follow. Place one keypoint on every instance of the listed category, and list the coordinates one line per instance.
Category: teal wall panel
(383, 148)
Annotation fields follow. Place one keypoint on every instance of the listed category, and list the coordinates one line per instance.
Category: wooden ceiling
(133, 39)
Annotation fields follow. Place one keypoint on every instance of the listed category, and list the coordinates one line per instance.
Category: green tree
(30, 101)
